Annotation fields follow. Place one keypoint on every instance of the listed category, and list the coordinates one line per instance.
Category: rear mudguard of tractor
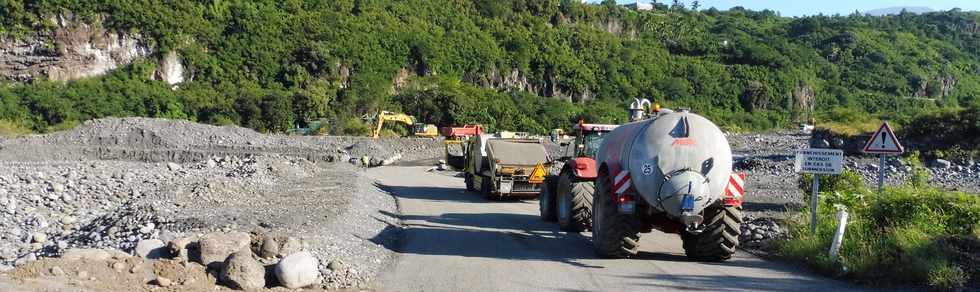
(582, 167)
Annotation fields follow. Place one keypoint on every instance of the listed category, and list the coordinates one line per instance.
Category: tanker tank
(672, 172)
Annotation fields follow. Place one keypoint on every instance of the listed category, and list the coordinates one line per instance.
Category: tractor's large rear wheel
(719, 239)
(546, 202)
(614, 235)
(574, 203)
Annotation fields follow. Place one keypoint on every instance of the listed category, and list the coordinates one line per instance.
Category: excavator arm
(393, 117)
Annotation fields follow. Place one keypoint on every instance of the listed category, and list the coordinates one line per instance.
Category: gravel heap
(47, 208)
(116, 184)
(155, 140)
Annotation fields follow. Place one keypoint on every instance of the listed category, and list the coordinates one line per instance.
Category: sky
(827, 7)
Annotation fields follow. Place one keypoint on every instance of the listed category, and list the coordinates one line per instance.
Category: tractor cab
(587, 139)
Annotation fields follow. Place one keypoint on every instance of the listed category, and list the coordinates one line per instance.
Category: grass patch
(63, 126)
(848, 122)
(8, 128)
(907, 236)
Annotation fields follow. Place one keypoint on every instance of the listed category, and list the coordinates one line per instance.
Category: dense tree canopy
(510, 64)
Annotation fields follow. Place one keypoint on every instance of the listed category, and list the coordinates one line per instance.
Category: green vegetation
(272, 65)
(908, 235)
(8, 128)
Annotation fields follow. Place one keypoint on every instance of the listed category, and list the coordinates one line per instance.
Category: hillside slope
(271, 65)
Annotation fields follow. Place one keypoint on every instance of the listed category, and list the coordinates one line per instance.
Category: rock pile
(757, 233)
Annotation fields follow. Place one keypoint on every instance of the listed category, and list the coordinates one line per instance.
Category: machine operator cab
(588, 137)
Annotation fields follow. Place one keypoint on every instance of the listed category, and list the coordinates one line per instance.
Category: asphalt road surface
(457, 241)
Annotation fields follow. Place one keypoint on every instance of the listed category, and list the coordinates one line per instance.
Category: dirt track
(458, 241)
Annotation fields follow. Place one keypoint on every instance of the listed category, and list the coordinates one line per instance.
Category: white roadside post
(817, 162)
(883, 142)
(839, 235)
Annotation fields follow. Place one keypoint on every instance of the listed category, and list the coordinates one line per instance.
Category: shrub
(919, 177)
(947, 277)
(901, 236)
(848, 180)
(356, 127)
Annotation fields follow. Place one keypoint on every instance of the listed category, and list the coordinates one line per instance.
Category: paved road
(457, 241)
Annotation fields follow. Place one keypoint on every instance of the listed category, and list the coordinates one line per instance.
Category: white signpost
(883, 142)
(817, 162)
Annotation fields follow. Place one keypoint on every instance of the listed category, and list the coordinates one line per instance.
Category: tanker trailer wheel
(546, 202)
(574, 204)
(468, 178)
(719, 239)
(614, 235)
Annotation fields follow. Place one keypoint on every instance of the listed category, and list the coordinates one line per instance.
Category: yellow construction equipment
(418, 129)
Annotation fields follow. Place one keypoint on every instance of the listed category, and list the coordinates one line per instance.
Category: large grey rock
(941, 163)
(150, 248)
(297, 270)
(242, 271)
(279, 246)
(217, 246)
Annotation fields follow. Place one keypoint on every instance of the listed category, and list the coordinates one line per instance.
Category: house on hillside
(640, 5)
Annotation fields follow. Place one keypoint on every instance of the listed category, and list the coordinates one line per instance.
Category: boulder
(217, 246)
(164, 282)
(150, 248)
(297, 270)
(279, 246)
(941, 163)
(242, 271)
(180, 247)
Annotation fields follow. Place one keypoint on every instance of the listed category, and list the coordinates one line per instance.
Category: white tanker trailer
(672, 172)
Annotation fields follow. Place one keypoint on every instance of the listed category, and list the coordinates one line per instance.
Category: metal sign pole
(813, 204)
(881, 174)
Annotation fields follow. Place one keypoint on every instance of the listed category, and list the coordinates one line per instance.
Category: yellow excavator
(418, 129)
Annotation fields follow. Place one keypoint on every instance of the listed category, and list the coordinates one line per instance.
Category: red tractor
(567, 196)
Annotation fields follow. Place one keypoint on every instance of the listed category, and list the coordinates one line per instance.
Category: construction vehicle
(456, 143)
(505, 168)
(672, 172)
(466, 131)
(567, 196)
(318, 127)
(418, 129)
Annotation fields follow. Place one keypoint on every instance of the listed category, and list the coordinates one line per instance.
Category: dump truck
(672, 172)
(566, 197)
(505, 168)
(455, 145)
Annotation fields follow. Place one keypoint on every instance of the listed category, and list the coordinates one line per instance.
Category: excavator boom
(420, 130)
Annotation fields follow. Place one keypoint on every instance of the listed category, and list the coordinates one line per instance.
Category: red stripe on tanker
(622, 182)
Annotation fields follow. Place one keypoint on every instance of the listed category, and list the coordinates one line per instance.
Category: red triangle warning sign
(883, 141)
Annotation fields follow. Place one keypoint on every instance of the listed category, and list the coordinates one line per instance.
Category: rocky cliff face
(75, 50)
(72, 50)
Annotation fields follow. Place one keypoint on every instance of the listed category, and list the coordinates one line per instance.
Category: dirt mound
(151, 133)
(162, 140)
(126, 274)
